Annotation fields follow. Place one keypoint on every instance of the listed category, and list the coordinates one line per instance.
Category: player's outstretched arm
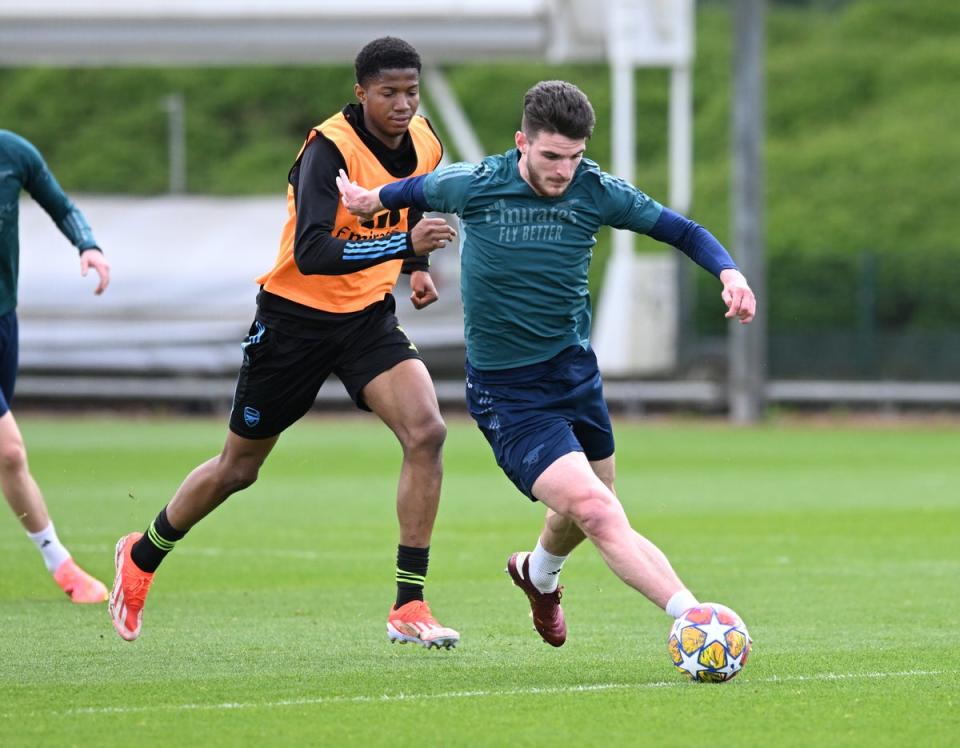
(737, 295)
(703, 248)
(358, 200)
(428, 235)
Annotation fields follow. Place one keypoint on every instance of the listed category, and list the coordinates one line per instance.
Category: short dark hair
(385, 53)
(557, 107)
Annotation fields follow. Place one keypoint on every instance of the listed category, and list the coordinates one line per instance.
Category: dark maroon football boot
(544, 606)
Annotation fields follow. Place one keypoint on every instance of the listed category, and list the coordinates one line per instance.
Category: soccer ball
(709, 643)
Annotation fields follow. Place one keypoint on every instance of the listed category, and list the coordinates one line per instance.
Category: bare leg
(211, 483)
(24, 497)
(405, 400)
(203, 490)
(19, 488)
(572, 489)
(560, 533)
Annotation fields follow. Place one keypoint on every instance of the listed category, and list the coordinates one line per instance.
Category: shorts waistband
(527, 373)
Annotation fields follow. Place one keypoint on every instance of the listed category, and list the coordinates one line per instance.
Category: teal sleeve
(623, 206)
(448, 188)
(43, 187)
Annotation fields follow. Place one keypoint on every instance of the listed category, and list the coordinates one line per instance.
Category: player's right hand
(93, 258)
(431, 234)
(358, 200)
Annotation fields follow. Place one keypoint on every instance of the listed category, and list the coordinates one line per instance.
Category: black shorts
(282, 373)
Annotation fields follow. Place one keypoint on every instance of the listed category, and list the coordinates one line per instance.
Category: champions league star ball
(709, 643)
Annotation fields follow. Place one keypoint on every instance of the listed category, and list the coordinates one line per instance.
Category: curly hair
(385, 53)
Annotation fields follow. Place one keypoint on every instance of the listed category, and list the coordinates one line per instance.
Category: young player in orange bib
(324, 308)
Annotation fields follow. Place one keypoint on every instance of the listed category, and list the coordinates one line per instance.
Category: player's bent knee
(426, 436)
(238, 477)
(435, 434)
(596, 512)
(13, 457)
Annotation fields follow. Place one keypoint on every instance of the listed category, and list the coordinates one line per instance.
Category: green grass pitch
(839, 546)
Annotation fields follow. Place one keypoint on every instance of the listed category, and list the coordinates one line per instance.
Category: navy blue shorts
(9, 356)
(534, 414)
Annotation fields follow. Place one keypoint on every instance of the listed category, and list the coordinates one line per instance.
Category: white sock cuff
(46, 532)
(50, 547)
(548, 558)
(545, 569)
(679, 602)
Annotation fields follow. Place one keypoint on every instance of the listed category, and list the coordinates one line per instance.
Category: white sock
(50, 546)
(545, 569)
(681, 601)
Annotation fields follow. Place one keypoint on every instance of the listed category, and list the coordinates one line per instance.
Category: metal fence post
(173, 105)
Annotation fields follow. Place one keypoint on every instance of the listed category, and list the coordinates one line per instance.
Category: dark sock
(156, 543)
(411, 573)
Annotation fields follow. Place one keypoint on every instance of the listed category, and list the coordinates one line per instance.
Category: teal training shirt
(524, 258)
(23, 168)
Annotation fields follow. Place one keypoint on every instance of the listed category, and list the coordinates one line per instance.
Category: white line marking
(299, 555)
(535, 691)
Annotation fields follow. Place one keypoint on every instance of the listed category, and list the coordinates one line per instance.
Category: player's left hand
(93, 258)
(736, 294)
(422, 291)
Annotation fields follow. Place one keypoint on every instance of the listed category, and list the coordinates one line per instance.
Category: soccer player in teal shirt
(529, 220)
(23, 168)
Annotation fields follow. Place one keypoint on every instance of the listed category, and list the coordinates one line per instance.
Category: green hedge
(817, 290)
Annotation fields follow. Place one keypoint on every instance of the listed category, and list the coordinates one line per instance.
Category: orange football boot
(413, 622)
(130, 588)
(79, 586)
